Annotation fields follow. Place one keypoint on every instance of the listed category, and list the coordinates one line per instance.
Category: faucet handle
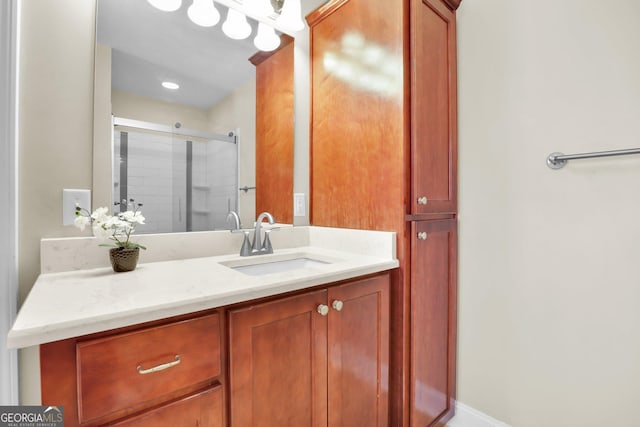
(266, 244)
(245, 250)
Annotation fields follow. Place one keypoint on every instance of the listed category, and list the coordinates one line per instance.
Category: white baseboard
(467, 416)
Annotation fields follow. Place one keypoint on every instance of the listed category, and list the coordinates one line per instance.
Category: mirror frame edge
(102, 125)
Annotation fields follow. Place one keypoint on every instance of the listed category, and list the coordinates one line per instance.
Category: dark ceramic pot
(124, 259)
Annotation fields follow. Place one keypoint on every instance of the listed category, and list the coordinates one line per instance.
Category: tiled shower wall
(149, 179)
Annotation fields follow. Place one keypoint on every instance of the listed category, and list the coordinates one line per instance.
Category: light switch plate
(70, 198)
(299, 204)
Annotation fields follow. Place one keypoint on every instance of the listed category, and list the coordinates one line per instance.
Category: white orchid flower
(101, 214)
(137, 218)
(100, 232)
(81, 222)
(116, 227)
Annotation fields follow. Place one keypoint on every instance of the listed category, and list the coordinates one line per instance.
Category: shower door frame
(156, 127)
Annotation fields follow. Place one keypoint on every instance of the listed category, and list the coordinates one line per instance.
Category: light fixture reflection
(203, 13)
(170, 85)
(236, 25)
(290, 16)
(366, 66)
(259, 7)
(166, 5)
(266, 39)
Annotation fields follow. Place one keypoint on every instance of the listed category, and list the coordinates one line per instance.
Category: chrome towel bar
(558, 160)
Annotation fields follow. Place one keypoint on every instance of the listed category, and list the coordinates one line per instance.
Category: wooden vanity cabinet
(384, 157)
(315, 359)
(146, 375)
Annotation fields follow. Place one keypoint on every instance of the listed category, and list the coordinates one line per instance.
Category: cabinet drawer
(203, 409)
(124, 371)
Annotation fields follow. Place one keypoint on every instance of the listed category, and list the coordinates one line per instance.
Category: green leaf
(135, 245)
(108, 245)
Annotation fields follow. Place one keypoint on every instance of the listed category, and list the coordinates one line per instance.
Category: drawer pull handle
(337, 305)
(159, 367)
(422, 235)
(422, 200)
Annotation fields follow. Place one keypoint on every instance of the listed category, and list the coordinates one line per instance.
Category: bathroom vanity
(298, 336)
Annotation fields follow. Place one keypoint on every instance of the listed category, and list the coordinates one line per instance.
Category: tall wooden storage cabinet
(384, 157)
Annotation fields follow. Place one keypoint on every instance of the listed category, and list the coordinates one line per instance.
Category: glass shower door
(214, 186)
(146, 169)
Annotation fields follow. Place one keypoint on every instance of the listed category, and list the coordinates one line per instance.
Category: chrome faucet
(236, 219)
(259, 246)
(262, 247)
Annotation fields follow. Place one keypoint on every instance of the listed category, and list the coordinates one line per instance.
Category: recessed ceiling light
(170, 85)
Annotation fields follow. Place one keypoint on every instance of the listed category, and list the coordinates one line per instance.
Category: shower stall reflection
(185, 182)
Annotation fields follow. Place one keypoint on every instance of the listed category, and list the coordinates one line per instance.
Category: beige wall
(137, 107)
(55, 132)
(238, 111)
(302, 108)
(549, 280)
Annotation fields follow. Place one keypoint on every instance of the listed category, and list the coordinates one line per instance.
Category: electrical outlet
(71, 199)
(299, 204)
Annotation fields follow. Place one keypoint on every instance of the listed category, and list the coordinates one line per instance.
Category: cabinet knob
(422, 235)
(323, 309)
(337, 305)
(422, 200)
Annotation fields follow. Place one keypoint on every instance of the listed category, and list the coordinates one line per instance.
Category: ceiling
(151, 46)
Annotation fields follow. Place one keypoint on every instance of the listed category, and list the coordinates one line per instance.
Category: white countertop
(74, 303)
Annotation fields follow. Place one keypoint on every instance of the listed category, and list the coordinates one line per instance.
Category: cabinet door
(278, 363)
(358, 138)
(433, 108)
(433, 321)
(359, 353)
(203, 409)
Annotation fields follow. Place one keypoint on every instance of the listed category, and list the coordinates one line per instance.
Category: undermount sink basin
(258, 267)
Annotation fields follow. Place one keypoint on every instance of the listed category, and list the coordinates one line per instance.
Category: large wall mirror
(187, 154)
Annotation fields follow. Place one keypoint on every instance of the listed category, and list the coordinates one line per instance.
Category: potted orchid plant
(118, 228)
